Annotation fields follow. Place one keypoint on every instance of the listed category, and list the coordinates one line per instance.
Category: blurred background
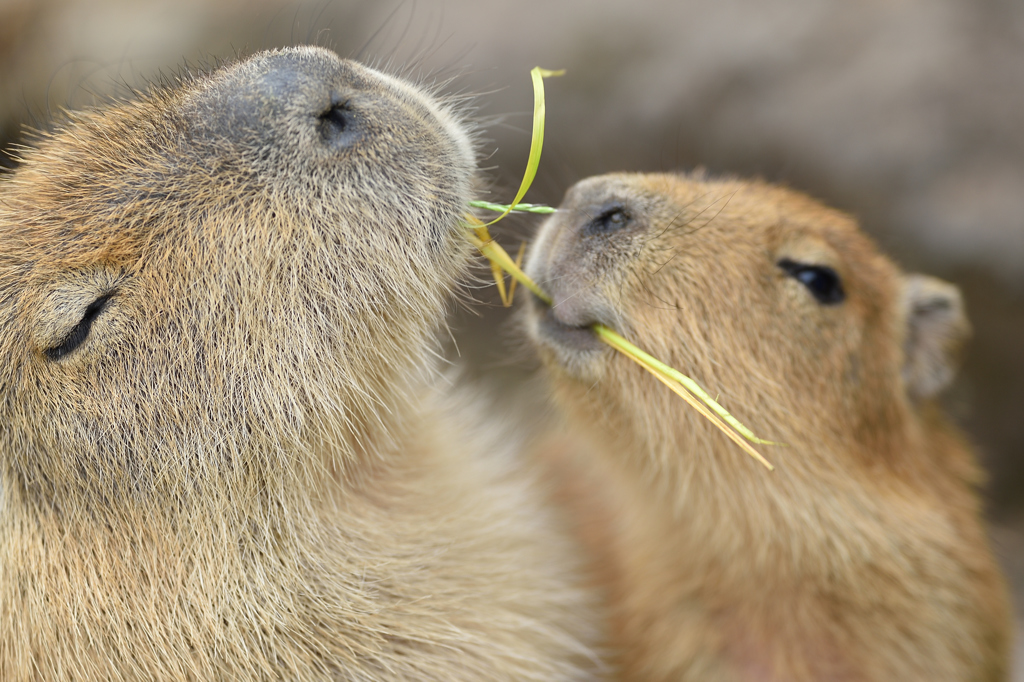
(907, 113)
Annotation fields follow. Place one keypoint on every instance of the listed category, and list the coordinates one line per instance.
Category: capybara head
(777, 305)
(221, 280)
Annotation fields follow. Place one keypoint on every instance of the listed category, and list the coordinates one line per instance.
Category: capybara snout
(350, 130)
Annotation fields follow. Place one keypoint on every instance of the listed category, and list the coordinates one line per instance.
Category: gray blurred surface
(906, 113)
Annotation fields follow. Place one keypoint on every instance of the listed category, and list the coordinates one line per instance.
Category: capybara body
(863, 555)
(222, 453)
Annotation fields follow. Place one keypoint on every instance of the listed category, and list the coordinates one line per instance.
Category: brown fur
(245, 471)
(863, 556)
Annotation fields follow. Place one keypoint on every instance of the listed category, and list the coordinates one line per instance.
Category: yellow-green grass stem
(613, 339)
(512, 208)
(688, 390)
(537, 139)
(493, 251)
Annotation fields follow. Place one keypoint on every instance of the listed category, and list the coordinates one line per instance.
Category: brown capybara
(863, 555)
(222, 452)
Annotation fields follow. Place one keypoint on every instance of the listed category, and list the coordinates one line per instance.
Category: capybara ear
(937, 328)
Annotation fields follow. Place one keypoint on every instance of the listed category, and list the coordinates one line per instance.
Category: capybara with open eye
(863, 555)
(222, 454)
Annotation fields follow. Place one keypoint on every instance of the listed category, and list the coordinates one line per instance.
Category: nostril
(337, 122)
(611, 218)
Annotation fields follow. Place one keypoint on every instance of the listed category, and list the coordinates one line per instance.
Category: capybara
(863, 555)
(225, 449)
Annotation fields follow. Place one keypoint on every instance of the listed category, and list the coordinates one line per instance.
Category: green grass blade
(622, 344)
(537, 142)
(701, 408)
(518, 208)
(493, 251)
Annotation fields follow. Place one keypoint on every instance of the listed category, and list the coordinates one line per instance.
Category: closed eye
(822, 281)
(80, 331)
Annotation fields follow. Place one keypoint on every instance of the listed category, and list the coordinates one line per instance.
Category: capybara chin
(863, 555)
(222, 454)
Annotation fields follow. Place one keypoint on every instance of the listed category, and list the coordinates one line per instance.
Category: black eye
(610, 219)
(80, 331)
(336, 122)
(821, 281)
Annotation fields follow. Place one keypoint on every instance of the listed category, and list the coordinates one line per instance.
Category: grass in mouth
(478, 234)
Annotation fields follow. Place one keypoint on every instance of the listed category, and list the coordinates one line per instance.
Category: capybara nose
(281, 96)
(580, 251)
(338, 125)
(350, 136)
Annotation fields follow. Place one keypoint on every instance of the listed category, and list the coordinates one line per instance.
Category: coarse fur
(863, 555)
(225, 451)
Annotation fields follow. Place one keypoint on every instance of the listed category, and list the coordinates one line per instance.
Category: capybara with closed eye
(222, 452)
(863, 555)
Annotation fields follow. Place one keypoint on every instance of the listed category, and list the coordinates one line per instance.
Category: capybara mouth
(552, 328)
